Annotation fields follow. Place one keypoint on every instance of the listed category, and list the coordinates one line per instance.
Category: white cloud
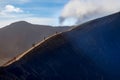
(11, 8)
(11, 14)
(10, 11)
(84, 10)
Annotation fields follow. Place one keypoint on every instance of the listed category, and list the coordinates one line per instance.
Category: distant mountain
(20, 36)
(90, 51)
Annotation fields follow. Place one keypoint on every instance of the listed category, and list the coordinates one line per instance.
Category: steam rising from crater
(84, 10)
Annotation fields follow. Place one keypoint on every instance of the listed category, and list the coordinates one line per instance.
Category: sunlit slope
(20, 36)
(88, 52)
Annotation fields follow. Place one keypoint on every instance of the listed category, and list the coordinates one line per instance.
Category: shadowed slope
(88, 52)
(52, 62)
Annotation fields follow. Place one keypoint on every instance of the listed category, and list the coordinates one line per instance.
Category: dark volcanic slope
(18, 37)
(88, 52)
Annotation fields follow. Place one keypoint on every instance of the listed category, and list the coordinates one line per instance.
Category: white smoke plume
(84, 10)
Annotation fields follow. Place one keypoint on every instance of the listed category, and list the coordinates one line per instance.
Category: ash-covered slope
(88, 52)
(19, 37)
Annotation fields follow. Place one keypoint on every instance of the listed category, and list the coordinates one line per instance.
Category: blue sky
(35, 11)
(50, 12)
